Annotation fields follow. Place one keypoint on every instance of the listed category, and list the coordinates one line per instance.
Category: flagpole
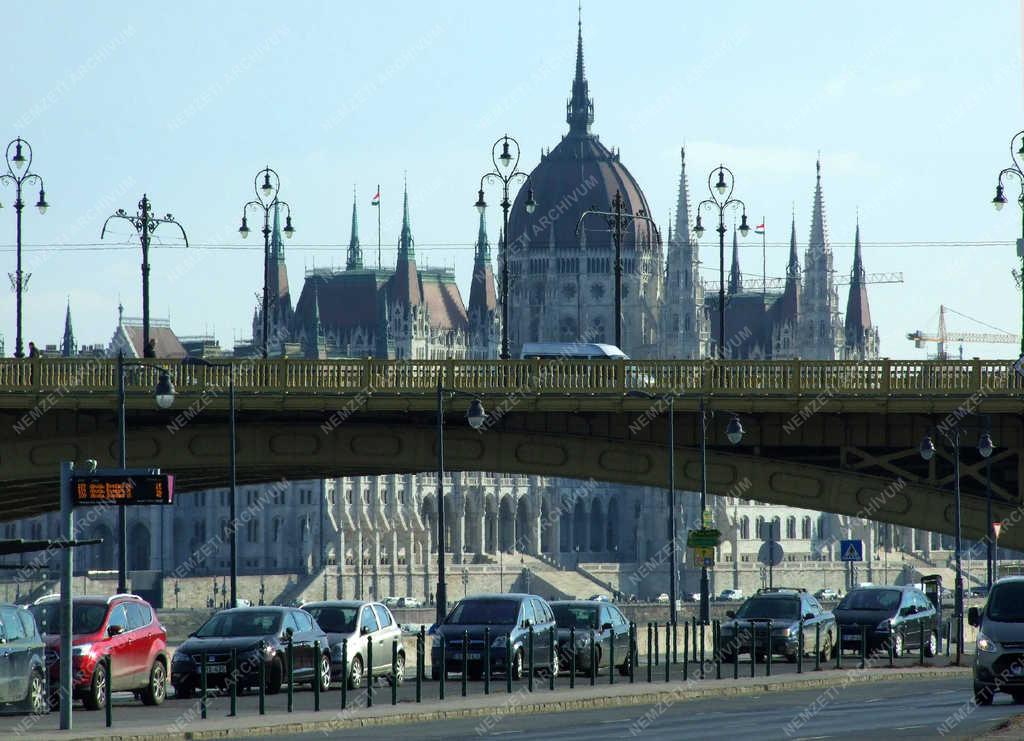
(764, 261)
(379, 264)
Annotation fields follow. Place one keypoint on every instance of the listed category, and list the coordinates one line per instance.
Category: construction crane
(944, 336)
(775, 284)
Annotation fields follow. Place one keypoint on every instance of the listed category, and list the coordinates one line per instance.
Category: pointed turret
(405, 281)
(355, 252)
(819, 310)
(859, 330)
(790, 307)
(68, 346)
(682, 230)
(579, 113)
(819, 241)
(735, 276)
(279, 295)
(483, 302)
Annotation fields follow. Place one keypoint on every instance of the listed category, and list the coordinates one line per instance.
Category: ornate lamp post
(506, 171)
(721, 199)
(145, 224)
(617, 219)
(19, 172)
(267, 184)
(1015, 170)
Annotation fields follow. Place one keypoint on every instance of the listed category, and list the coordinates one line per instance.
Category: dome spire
(355, 252)
(579, 111)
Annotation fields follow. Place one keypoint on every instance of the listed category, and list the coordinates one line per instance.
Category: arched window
(745, 527)
(805, 529)
(791, 528)
(759, 523)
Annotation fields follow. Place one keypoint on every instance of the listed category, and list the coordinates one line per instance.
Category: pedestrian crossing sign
(851, 550)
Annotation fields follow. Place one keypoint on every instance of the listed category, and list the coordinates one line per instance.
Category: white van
(581, 350)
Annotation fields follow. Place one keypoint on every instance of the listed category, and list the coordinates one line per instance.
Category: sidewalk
(491, 708)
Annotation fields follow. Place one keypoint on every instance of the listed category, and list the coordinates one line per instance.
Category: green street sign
(703, 538)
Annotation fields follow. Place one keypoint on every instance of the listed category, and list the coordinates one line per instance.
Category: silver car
(999, 659)
(359, 624)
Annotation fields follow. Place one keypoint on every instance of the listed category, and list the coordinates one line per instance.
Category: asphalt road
(881, 710)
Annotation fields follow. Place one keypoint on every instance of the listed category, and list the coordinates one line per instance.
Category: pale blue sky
(911, 104)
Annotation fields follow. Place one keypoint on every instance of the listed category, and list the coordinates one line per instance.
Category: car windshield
(1006, 602)
(773, 608)
(334, 619)
(484, 612)
(575, 616)
(85, 618)
(877, 600)
(245, 622)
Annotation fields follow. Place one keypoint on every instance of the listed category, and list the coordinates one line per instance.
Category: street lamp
(19, 171)
(145, 224)
(163, 393)
(232, 497)
(617, 219)
(734, 432)
(1016, 170)
(506, 171)
(721, 199)
(267, 185)
(475, 416)
(985, 450)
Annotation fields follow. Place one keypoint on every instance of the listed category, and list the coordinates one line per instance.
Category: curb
(509, 706)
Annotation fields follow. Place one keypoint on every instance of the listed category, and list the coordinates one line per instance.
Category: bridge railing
(560, 376)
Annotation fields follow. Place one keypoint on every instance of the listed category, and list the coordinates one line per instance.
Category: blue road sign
(851, 550)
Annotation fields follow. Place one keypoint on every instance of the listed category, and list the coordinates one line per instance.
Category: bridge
(837, 436)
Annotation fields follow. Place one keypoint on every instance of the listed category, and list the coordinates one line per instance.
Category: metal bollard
(632, 653)
(668, 653)
(736, 652)
(465, 660)
(771, 650)
(529, 640)
(261, 677)
(509, 657)
(344, 674)
(863, 646)
(611, 657)
(657, 646)
(675, 645)
(202, 685)
(291, 673)
(572, 657)
(370, 674)
(686, 651)
(233, 681)
(443, 674)
(839, 652)
(108, 703)
(889, 650)
(649, 659)
(487, 661)
(920, 641)
(317, 658)
(553, 657)
(800, 650)
(949, 633)
(716, 647)
(693, 634)
(753, 649)
(421, 659)
(593, 659)
(817, 647)
(394, 674)
(701, 649)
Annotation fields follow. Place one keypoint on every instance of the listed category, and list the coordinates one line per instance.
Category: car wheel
(982, 694)
(156, 691)
(36, 701)
(324, 675)
(96, 697)
(517, 665)
(355, 674)
(275, 677)
(897, 645)
(184, 691)
(932, 647)
(398, 676)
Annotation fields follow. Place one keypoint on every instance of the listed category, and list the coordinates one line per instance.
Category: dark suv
(788, 610)
(124, 627)
(21, 661)
(508, 618)
(901, 616)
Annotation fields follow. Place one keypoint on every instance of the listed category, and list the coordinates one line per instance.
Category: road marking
(502, 733)
(873, 699)
(908, 728)
(620, 720)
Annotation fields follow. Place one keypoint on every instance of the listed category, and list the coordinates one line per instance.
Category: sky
(912, 107)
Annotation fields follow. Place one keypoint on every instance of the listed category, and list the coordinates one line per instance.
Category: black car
(507, 620)
(22, 662)
(583, 620)
(897, 615)
(782, 612)
(257, 635)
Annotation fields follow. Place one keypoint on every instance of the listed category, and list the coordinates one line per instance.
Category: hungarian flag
(376, 198)
(759, 229)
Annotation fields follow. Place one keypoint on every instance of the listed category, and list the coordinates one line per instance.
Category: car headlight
(784, 632)
(82, 649)
(885, 626)
(986, 644)
(498, 642)
(181, 658)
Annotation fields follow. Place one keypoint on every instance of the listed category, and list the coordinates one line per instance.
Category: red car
(123, 626)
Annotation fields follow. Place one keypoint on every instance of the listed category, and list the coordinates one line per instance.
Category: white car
(409, 602)
(730, 595)
(662, 599)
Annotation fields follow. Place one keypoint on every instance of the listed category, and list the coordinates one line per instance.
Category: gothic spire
(355, 252)
(68, 346)
(858, 313)
(819, 241)
(406, 246)
(276, 243)
(790, 302)
(682, 230)
(793, 266)
(579, 113)
(735, 276)
(405, 281)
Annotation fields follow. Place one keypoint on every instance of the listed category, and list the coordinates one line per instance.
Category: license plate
(473, 656)
(851, 633)
(216, 669)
